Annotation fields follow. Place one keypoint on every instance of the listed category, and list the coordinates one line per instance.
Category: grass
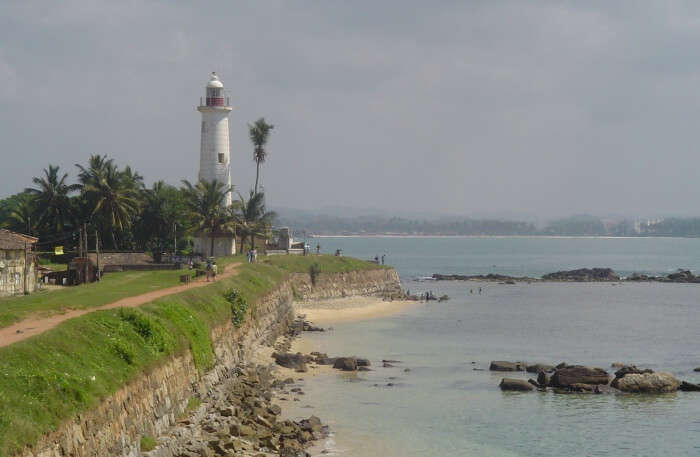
(49, 378)
(112, 287)
(148, 443)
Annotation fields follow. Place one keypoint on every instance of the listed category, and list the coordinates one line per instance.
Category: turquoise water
(443, 407)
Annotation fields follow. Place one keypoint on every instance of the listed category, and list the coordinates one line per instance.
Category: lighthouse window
(221, 157)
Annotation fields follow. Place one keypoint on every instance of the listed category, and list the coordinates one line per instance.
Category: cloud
(541, 107)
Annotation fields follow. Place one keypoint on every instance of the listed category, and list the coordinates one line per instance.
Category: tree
(110, 197)
(163, 206)
(206, 210)
(20, 217)
(252, 218)
(52, 201)
(259, 132)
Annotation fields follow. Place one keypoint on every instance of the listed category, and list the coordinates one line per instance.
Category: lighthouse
(214, 156)
(215, 161)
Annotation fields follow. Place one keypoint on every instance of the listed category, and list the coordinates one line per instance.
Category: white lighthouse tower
(215, 162)
(214, 156)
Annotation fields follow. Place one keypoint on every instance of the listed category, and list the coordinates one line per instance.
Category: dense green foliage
(49, 378)
(252, 218)
(116, 208)
(238, 306)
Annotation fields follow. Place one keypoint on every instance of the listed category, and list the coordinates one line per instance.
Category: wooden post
(97, 254)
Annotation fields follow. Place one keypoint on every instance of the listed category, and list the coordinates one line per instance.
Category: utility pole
(174, 241)
(97, 254)
(25, 269)
(87, 260)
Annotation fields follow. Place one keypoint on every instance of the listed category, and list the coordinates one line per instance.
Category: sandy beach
(326, 312)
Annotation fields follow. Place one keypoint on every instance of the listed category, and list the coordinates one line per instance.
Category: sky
(522, 108)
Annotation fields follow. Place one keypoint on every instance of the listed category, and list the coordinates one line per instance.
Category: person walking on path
(383, 256)
(214, 270)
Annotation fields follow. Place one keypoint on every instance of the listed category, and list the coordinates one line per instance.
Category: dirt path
(35, 325)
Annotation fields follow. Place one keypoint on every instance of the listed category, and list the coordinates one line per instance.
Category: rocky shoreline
(565, 378)
(578, 275)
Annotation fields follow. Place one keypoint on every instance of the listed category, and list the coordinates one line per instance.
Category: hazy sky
(506, 107)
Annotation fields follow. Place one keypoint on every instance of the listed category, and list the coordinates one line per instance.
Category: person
(214, 270)
(383, 256)
(247, 256)
(376, 259)
(479, 290)
(208, 269)
(254, 254)
(318, 248)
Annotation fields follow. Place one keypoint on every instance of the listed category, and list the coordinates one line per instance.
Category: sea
(441, 400)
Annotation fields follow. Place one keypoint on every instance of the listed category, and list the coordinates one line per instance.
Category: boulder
(625, 370)
(648, 383)
(689, 387)
(346, 363)
(578, 374)
(536, 368)
(515, 384)
(501, 365)
(363, 362)
(697, 369)
(542, 379)
(288, 360)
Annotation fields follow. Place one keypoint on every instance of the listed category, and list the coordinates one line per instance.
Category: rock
(390, 361)
(362, 362)
(363, 369)
(533, 382)
(387, 365)
(697, 369)
(618, 365)
(500, 365)
(648, 383)
(580, 387)
(681, 276)
(578, 374)
(346, 363)
(536, 368)
(515, 384)
(288, 360)
(689, 387)
(542, 379)
(625, 370)
(583, 275)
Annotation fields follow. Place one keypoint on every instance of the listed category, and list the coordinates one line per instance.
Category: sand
(325, 312)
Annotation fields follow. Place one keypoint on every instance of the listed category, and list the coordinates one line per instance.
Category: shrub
(314, 271)
(239, 306)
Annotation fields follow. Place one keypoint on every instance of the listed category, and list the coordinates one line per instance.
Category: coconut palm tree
(205, 202)
(20, 218)
(51, 200)
(252, 219)
(259, 132)
(111, 197)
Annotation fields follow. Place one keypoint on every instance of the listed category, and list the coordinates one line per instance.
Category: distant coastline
(392, 235)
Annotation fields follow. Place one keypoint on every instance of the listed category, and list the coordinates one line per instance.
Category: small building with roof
(18, 266)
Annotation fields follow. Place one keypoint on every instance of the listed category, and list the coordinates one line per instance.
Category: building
(18, 266)
(215, 160)
(281, 242)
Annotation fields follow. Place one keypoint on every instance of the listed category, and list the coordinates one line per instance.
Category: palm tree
(162, 211)
(51, 200)
(259, 132)
(252, 217)
(20, 217)
(111, 196)
(206, 208)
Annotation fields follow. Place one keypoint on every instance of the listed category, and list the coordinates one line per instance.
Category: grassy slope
(49, 378)
(114, 286)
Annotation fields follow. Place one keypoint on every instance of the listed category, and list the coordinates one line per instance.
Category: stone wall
(150, 404)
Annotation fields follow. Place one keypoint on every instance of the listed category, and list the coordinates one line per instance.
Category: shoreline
(337, 310)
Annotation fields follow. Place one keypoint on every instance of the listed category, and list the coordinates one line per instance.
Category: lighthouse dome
(214, 81)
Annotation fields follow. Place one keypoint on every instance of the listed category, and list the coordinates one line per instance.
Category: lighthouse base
(224, 245)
